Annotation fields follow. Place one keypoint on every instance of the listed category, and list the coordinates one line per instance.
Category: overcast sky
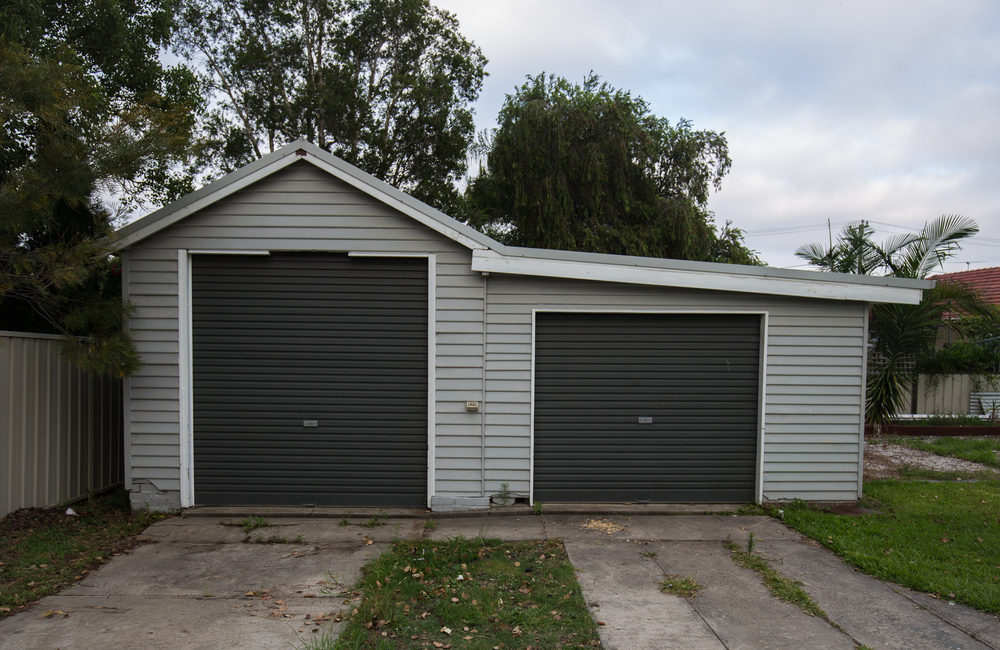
(877, 110)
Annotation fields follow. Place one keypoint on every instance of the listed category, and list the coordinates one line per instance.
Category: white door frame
(186, 370)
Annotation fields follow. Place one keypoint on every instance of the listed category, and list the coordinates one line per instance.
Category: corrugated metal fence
(60, 427)
(955, 394)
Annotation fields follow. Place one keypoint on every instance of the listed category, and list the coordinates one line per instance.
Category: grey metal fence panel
(60, 427)
(948, 394)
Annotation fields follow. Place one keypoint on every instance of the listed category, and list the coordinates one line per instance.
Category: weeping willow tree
(589, 168)
(898, 333)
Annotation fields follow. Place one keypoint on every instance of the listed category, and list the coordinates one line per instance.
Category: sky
(887, 111)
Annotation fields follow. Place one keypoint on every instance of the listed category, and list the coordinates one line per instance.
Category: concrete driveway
(202, 586)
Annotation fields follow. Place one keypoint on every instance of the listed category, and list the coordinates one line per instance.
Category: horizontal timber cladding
(646, 407)
(309, 380)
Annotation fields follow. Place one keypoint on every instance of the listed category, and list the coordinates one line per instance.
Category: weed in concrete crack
(430, 524)
(780, 587)
(649, 554)
(375, 521)
(685, 587)
(536, 508)
(253, 522)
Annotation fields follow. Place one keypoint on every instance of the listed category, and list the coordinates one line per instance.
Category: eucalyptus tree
(384, 84)
(898, 333)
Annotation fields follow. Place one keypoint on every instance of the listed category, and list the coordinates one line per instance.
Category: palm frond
(816, 254)
(937, 242)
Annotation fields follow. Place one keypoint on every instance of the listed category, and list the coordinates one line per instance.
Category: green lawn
(43, 550)
(937, 537)
(469, 593)
(978, 450)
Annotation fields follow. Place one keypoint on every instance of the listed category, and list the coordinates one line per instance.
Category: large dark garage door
(310, 380)
(637, 407)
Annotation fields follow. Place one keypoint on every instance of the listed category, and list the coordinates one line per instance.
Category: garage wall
(814, 378)
(297, 208)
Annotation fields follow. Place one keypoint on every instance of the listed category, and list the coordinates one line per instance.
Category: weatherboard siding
(300, 208)
(814, 349)
(813, 377)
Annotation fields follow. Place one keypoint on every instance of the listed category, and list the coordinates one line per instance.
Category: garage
(309, 379)
(641, 407)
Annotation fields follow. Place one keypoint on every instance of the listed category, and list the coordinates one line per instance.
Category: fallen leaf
(50, 613)
(446, 630)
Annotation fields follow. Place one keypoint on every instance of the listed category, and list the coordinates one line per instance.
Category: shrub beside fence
(60, 427)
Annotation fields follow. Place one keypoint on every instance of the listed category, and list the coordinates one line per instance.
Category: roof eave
(713, 280)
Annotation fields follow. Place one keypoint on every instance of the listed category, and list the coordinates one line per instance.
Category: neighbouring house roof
(489, 255)
(986, 282)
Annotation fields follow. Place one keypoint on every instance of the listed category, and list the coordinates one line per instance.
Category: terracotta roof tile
(986, 282)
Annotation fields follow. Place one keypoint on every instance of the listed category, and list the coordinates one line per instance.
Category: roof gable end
(301, 150)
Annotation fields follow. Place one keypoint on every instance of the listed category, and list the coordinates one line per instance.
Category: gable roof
(986, 282)
(489, 255)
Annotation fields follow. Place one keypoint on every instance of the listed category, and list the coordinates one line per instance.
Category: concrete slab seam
(923, 607)
(692, 605)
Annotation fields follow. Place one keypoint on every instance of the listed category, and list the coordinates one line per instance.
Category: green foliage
(384, 84)
(588, 168)
(253, 522)
(938, 537)
(960, 357)
(900, 333)
(89, 112)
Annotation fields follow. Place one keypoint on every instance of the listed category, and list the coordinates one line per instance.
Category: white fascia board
(492, 262)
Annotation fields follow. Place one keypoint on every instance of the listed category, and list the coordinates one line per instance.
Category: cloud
(884, 110)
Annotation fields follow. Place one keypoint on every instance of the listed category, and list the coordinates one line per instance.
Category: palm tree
(897, 333)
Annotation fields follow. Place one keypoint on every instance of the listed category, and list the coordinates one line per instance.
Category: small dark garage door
(637, 407)
(310, 380)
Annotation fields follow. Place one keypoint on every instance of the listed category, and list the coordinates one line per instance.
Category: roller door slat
(291, 337)
(637, 407)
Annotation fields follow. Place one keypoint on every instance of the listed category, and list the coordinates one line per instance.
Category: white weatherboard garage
(311, 335)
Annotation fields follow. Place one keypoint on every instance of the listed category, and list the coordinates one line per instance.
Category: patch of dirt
(603, 525)
(883, 460)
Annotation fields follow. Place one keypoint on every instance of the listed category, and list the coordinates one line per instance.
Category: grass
(780, 586)
(923, 474)
(941, 538)
(253, 522)
(375, 521)
(682, 586)
(978, 450)
(469, 593)
(44, 550)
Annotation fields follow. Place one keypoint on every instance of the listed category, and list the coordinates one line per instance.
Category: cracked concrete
(203, 583)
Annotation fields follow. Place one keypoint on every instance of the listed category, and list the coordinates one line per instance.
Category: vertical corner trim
(864, 399)
(431, 372)
(184, 377)
(762, 408)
